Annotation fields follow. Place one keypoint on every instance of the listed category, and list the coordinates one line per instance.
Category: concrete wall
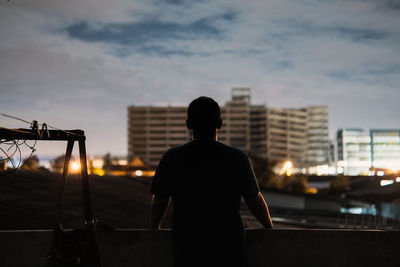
(277, 247)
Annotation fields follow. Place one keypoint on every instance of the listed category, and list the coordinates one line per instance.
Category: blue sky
(79, 64)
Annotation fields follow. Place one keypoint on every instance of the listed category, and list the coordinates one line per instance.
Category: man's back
(206, 180)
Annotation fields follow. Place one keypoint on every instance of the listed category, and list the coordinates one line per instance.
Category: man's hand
(259, 208)
(159, 206)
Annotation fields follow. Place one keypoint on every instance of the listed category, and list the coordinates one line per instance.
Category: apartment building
(318, 146)
(258, 130)
(287, 134)
(153, 130)
(300, 135)
(235, 115)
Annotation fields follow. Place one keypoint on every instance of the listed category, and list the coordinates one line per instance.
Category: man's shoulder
(231, 149)
(216, 147)
(177, 149)
(231, 154)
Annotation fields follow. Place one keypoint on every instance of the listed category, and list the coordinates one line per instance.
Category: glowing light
(312, 190)
(394, 170)
(371, 173)
(386, 182)
(397, 179)
(288, 164)
(75, 166)
(98, 171)
(286, 168)
(325, 170)
(138, 173)
(380, 173)
(355, 210)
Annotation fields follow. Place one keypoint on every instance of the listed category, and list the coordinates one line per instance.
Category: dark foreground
(277, 247)
(28, 200)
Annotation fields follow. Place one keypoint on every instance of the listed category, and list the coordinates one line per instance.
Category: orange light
(312, 190)
(75, 166)
(286, 168)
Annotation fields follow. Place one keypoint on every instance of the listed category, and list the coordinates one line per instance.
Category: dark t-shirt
(206, 180)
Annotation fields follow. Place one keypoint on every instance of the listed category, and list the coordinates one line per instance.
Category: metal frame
(93, 256)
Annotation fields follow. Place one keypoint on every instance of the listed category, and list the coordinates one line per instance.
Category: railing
(365, 221)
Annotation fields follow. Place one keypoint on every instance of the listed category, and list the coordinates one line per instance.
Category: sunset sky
(79, 64)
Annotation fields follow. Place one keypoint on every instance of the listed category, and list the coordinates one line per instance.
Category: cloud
(297, 28)
(145, 37)
(103, 11)
(131, 34)
(79, 64)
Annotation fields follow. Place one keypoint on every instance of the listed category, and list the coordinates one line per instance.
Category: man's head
(203, 116)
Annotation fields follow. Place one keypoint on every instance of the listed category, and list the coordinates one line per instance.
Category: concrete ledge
(278, 247)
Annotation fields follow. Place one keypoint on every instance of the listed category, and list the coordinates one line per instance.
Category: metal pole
(68, 153)
(85, 184)
(92, 255)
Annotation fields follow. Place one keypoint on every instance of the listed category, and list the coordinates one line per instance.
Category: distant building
(258, 130)
(236, 120)
(385, 149)
(153, 130)
(318, 145)
(296, 134)
(354, 151)
(300, 134)
(331, 152)
(360, 152)
(135, 168)
(287, 134)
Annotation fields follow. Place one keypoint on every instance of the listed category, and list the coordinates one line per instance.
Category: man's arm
(259, 208)
(158, 208)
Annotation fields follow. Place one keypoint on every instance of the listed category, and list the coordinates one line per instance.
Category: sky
(80, 64)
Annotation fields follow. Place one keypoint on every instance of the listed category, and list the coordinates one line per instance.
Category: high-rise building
(300, 135)
(153, 130)
(235, 129)
(385, 149)
(287, 134)
(258, 130)
(331, 152)
(354, 151)
(317, 134)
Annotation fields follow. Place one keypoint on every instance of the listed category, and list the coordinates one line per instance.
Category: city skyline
(80, 65)
(299, 135)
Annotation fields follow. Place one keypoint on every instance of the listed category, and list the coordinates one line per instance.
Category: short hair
(203, 113)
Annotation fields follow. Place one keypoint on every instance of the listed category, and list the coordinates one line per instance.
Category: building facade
(361, 153)
(385, 149)
(280, 134)
(354, 151)
(153, 130)
(235, 129)
(318, 150)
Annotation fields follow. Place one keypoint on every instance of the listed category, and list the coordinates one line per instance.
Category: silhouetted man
(206, 180)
